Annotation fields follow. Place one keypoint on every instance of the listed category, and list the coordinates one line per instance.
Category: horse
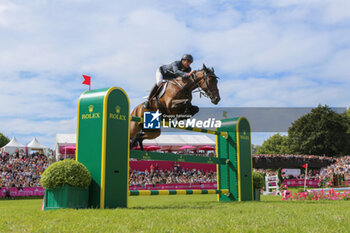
(174, 101)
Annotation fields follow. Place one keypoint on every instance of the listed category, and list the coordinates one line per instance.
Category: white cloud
(337, 67)
(289, 91)
(266, 47)
(45, 131)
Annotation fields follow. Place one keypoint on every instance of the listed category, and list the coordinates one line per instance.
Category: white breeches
(159, 77)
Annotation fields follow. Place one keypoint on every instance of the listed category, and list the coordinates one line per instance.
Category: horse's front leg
(193, 110)
(184, 107)
(179, 106)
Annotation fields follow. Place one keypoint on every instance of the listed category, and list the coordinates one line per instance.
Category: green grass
(198, 213)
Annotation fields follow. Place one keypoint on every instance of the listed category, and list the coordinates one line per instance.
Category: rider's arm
(177, 71)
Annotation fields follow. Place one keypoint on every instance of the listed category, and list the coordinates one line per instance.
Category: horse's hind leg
(137, 140)
(133, 142)
(142, 135)
(140, 140)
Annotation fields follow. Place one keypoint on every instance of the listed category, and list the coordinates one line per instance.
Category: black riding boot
(147, 104)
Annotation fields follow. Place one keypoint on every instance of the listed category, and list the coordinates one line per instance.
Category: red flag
(87, 80)
(305, 165)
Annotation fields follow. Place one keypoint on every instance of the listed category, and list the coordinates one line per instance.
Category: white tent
(175, 141)
(13, 146)
(180, 140)
(166, 141)
(35, 145)
(162, 140)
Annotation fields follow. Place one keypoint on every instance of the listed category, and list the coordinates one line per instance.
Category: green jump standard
(103, 146)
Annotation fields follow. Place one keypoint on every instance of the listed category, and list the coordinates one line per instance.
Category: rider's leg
(159, 77)
(147, 104)
(159, 80)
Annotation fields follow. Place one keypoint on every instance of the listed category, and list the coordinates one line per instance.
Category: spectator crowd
(288, 160)
(22, 171)
(25, 171)
(340, 170)
(335, 173)
(173, 176)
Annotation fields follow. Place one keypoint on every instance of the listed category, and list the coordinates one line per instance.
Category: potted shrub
(258, 184)
(66, 185)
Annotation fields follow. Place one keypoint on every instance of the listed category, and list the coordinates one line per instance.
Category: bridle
(206, 91)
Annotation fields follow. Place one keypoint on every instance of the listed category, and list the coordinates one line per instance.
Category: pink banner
(40, 191)
(300, 182)
(31, 191)
(169, 165)
(174, 186)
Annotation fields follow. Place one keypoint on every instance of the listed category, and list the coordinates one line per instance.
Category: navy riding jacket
(174, 70)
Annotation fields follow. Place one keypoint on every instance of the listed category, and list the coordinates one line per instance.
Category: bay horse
(175, 100)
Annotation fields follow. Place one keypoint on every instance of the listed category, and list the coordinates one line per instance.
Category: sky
(270, 53)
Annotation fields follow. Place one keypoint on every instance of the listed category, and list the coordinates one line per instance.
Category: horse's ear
(204, 67)
(212, 69)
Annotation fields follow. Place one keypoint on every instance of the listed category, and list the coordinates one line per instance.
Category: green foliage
(280, 178)
(347, 113)
(347, 117)
(258, 180)
(300, 190)
(276, 144)
(320, 132)
(3, 140)
(64, 172)
(255, 149)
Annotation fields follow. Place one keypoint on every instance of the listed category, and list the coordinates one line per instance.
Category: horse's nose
(216, 100)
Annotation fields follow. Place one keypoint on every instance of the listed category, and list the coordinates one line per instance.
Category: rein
(202, 91)
(196, 87)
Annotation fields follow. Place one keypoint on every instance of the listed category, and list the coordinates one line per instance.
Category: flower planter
(66, 197)
(256, 194)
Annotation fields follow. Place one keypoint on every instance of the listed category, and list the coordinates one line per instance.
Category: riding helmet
(187, 57)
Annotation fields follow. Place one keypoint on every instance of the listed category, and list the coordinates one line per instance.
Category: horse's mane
(204, 69)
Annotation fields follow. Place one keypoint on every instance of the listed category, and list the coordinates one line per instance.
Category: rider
(177, 68)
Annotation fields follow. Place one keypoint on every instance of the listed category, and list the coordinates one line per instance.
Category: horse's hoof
(194, 110)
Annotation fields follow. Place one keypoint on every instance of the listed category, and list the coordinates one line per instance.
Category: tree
(276, 144)
(255, 149)
(347, 117)
(320, 132)
(347, 112)
(3, 140)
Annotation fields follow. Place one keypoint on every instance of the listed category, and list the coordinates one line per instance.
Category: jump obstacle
(103, 146)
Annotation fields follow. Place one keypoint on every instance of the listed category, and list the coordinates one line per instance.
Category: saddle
(161, 90)
(158, 94)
